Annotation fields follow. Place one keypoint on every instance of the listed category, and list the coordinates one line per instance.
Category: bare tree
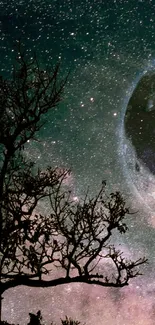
(74, 238)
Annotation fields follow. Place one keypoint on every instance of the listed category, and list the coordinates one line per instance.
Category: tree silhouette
(35, 319)
(74, 238)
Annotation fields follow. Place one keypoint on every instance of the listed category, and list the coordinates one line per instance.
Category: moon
(137, 139)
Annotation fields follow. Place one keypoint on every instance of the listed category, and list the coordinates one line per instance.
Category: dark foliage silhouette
(37, 319)
(74, 238)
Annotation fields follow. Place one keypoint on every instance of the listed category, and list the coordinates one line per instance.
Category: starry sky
(107, 45)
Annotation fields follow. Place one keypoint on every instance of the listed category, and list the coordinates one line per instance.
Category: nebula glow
(107, 46)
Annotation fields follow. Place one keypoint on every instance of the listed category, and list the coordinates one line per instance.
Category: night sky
(107, 45)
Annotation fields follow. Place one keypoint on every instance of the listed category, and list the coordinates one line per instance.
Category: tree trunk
(0, 308)
(1, 298)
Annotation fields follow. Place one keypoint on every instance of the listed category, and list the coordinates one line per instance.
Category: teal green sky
(107, 45)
